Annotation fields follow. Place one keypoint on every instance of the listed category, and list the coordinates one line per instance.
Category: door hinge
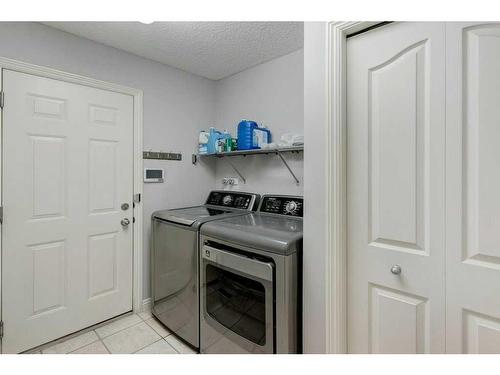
(1, 215)
(2, 99)
(1, 329)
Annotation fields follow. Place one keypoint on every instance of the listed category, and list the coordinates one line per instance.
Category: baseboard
(146, 304)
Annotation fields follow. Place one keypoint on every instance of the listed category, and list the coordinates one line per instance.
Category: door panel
(49, 277)
(48, 161)
(398, 322)
(395, 151)
(481, 333)
(473, 185)
(67, 167)
(395, 178)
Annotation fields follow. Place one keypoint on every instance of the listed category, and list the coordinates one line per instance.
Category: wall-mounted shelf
(278, 151)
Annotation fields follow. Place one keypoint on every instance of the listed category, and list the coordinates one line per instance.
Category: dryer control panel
(282, 205)
(243, 201)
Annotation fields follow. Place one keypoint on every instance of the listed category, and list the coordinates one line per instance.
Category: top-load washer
(251, 280)
(175, 259)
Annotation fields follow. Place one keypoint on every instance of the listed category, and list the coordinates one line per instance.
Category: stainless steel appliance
(175, 259)
(251, 280)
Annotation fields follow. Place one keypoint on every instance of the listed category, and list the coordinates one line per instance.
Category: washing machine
(175, 259)
(251, 280)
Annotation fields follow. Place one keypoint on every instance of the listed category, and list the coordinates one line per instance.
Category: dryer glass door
(238, 300)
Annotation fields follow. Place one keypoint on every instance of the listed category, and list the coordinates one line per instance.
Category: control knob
(227, 200)
(291, 207)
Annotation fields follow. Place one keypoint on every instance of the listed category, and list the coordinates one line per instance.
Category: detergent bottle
(213, 140)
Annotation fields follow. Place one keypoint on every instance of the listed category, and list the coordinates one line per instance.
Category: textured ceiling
(210, 49)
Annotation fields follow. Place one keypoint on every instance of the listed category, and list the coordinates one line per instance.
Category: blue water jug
(246, 139)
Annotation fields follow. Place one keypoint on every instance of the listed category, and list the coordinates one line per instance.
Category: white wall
(176, 106)
(315, 166)
(271, 93)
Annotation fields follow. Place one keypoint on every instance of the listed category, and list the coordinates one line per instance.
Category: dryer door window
(237, 301)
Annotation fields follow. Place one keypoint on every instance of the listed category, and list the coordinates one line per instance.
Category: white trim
(336, 272)
(138, 206)
(42, 71)
(147, 304)
(1, 200)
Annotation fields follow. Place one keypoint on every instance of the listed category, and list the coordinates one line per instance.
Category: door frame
(336, 182)
(42, 71)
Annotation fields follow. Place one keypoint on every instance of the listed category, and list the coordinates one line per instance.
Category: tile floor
(138, 333)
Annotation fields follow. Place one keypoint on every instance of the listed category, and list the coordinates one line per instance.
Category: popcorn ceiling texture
(213, 50)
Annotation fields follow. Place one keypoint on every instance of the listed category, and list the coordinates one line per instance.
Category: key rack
(279, 152)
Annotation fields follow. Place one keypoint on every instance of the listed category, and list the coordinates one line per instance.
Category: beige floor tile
(158, 327)
(159, 347)
(94, 348)
(145, 315)
(131, 339)
(118, 325)
(72, 344)
(179, 345)
(32, 352)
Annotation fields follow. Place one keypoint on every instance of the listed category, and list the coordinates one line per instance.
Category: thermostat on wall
(153, 175)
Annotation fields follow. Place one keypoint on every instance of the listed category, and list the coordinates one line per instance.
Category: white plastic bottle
(203, 142)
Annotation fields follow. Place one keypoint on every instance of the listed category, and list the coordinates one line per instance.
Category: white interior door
(67, 168)
(473, 188)
(396, 186)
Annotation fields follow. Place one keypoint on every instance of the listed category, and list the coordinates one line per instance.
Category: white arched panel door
(395, 188)
(473, 188)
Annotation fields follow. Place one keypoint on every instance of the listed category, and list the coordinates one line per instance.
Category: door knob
(125, 222)
(396, 269)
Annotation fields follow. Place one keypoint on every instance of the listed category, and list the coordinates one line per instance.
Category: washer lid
(266, 232)
(189, 215)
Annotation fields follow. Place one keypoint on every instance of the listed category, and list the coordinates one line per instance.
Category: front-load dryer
(251, 280)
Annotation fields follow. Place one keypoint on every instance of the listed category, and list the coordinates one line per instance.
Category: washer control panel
(244, 201)
(283, 205)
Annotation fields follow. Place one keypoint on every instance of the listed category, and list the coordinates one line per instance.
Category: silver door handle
(125, 222)
(396, 269)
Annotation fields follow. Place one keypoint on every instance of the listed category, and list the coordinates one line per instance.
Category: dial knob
(227, 200)
(291, 207)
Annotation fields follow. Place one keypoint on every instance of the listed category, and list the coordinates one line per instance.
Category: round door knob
(125, 222)
(396, 269)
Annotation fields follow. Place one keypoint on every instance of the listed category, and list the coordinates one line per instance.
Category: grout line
(107, 349)
(147, 325)
(181, 344)
(150, 343)
(93, 342)
(71, 338)
(165, 339)
(168, 334)
(147, 346)
(123, 329)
